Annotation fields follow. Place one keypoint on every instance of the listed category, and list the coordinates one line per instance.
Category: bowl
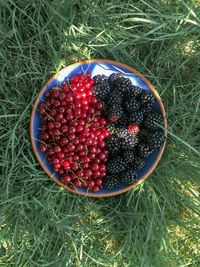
(95, 66)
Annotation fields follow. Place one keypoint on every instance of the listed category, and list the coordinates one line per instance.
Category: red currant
(73, 133)
(95, 188)
(98, 182)
(78, 183)
(90, 183)
(43, 148)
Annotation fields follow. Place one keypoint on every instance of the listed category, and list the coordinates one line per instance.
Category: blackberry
(113, 77)
(100, 78)
(137, 91)
(130, 176)
(124, 133)
(132, 104)
(132, 90)
(101, 90)
(121, 84)
(151, 119)
(145, 109)
(129, 92)
(115, 97)
(146, 97)
(129, 156)
(121, 132)
(157, 139)
(113, 145)
(116, 165)
(136, 117)
(144, 150)
(128, 140)
(116, 110)
(110, 181)
(138, 163)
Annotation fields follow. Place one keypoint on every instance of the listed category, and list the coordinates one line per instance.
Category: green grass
(156, 224)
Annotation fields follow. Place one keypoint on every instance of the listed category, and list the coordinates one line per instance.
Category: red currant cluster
(73, 133)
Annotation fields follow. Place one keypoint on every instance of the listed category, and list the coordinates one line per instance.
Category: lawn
(157, 223)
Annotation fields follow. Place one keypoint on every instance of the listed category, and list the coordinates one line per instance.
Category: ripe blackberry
(136, 117)
(145, 109)
(115, 97)
(137, 91)
(116, 110)
(151, 119)
(129, 142)
(121, 84)
(100, 78)
(157, 139)
(144, 150)
(131, 91)
(129, 156)
(116, 165)
(132, 104)
(110, 181)
(146, 97)
(113, 77)
(130, 176)
(122, 133)
(138, 163)
(101, 90)
(113, 145)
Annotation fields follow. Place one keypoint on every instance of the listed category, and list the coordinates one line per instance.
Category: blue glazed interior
(94, 68)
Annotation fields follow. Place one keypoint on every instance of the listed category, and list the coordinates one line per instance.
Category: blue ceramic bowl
(95, 66)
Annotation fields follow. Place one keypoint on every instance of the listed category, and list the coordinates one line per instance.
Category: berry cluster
(98, 132)
(74, 131)
(133, 124)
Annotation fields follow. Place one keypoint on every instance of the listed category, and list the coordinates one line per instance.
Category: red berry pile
(73, 133)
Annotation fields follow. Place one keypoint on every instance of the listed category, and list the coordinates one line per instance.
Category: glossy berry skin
(65, 179)
(78, 183)
(90, 184)
(95, 188)
(74, 133)
(57, 149)
(87, 173)
(43, 148)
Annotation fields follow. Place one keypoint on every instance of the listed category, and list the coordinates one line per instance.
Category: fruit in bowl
(98, 132)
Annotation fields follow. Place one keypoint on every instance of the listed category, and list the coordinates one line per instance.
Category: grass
(156, 224)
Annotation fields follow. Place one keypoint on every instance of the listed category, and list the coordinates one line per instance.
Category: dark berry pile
(134, 128)
(98, 132)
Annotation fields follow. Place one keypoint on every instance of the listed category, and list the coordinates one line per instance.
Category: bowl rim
(88, 194)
